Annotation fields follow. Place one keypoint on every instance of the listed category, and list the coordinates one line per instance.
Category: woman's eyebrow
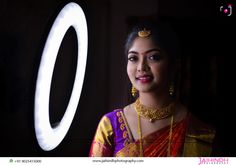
(152, 50)
(148, 51)
(132, 52)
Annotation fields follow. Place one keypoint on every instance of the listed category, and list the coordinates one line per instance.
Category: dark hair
(161, 34)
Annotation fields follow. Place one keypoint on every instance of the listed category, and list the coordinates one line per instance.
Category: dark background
(206, 85)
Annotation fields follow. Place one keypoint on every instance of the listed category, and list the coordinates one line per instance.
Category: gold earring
(171, 88)
(134, 91)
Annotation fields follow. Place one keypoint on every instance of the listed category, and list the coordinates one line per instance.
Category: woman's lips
(144, 78)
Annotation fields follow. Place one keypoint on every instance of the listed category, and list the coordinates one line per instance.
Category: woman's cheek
(130, 72)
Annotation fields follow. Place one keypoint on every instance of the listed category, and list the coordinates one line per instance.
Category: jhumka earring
(171, 88)
(134, 91)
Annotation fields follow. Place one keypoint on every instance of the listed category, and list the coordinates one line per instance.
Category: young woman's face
(147, 66)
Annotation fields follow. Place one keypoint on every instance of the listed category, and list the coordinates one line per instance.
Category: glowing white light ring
(48, 137)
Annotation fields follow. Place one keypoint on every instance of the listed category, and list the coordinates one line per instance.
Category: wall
(206, 56)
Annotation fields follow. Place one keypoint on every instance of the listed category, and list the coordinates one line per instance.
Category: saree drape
(190, 137)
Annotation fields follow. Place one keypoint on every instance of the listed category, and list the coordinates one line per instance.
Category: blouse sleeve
(103, 139)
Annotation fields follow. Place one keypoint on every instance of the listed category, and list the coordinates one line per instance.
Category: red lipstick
(144, 78)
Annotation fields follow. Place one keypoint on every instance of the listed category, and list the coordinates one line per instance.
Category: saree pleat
(156, 144)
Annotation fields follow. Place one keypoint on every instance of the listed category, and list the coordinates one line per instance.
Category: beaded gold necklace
(153, 114)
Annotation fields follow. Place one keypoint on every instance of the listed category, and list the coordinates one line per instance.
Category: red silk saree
(113, 138)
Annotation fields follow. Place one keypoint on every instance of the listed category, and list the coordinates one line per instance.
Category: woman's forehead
(143, 44)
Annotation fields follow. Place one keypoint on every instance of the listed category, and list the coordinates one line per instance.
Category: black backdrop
(206, 72)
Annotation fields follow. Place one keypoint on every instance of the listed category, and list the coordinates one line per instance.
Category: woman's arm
(102, 145)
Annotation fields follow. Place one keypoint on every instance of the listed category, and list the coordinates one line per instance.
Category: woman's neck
(155, 100)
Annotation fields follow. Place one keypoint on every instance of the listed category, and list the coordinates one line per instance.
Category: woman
(156, 124)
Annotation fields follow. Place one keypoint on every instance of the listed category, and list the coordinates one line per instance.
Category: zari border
(127, 127)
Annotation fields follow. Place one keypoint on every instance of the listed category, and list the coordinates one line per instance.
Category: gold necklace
(141, 141)
(153, 114)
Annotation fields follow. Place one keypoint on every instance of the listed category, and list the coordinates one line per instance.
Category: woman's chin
(146, 90)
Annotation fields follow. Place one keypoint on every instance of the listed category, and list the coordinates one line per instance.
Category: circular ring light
(48, 137)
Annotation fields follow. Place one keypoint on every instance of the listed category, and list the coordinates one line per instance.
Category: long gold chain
(153, 114)
(141, 141)
(140, 136)
(170, 136)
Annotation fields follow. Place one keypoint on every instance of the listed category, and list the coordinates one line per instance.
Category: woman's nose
(143, 66)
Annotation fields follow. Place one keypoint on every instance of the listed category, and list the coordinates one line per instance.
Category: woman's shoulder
(196, 126)
(199, 137)
(119, 112)
(112, 116)
(200, 129)
(114, 113)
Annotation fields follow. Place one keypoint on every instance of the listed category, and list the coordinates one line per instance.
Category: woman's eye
(155, 57)
(133, 58)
